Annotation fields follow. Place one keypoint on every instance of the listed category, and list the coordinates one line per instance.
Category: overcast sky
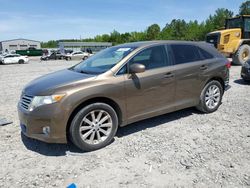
(66, 19)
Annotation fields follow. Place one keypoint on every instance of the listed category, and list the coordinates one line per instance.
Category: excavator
(234, 40)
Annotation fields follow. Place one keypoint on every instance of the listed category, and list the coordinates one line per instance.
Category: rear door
(150, 92)
(190, 68)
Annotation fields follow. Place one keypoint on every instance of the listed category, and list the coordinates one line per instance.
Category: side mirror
(136, 68)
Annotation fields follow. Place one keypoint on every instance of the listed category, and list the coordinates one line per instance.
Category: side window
(205, 54)
(184, 53)
(154, 57)
(123, 70)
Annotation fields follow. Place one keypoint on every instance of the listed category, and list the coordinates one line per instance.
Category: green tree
(217, 20)
(176, 30)
(137, 36)
(115, 37)
(194, 31)
(245, 8)
(153, 32)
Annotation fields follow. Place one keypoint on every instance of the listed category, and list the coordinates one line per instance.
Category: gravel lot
(180, 149)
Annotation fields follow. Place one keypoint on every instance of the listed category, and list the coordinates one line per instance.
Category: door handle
(203, 67)
(169, 75)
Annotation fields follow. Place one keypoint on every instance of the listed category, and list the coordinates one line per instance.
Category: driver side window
(151, 58)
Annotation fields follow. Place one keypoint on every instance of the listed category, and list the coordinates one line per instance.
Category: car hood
(52, 81)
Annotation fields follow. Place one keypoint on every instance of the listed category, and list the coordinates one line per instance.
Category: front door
(151, 92)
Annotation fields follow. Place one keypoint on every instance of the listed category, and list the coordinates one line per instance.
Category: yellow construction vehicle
(234, 40)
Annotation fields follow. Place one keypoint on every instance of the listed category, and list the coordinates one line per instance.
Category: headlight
(43, 100)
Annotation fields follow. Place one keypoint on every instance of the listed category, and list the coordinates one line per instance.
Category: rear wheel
(242, 55)
(211, 96)
(21, 61)
(94, 126)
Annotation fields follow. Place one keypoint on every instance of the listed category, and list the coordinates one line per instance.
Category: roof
(239, 16)
(149, 43)
(19, 39)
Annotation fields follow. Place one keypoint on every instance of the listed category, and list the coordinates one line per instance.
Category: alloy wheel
(95, 127)
(212, 96)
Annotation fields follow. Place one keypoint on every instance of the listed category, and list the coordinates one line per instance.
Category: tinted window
(185, 53)
(247, 24)
(123, 70)
(103, 60)
(154, 57)
(205, 54)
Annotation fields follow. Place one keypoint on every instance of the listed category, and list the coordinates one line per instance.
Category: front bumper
(32, 124)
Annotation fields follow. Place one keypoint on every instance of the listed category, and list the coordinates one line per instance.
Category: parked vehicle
(53, 55)
(121, 85)
(245, 71)
(13, 58)
(79, 55)
(30, 52)
(234, 40)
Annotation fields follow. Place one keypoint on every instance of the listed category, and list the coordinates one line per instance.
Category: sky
(74, 19)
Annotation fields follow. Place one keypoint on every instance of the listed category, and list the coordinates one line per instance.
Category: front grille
(25, 101)
(213, 38)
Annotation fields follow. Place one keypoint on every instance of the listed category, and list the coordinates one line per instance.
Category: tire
(21, 61)
(84, 58)
(246, 80)
(84, 138)
(205, 97)
(242, 55)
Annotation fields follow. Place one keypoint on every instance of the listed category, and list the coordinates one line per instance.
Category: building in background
(18, 44)
(83, 46)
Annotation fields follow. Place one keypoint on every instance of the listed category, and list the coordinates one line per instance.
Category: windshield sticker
(123, 49)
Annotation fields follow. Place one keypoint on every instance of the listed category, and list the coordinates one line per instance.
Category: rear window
(205, 54)
(184, 53)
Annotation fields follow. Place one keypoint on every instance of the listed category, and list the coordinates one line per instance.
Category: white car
(79, 55)
(13, 58)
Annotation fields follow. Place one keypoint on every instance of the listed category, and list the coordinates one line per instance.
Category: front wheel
(94, 127)
(242, 55)
(211, 96)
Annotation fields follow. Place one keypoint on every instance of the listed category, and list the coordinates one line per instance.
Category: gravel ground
(180, 149)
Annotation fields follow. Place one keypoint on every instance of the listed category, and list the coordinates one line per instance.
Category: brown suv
(120, 85)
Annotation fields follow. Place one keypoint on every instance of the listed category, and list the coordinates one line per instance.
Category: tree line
(177, 29)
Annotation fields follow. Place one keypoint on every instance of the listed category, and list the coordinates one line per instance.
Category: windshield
(102, 61)
(234, 23)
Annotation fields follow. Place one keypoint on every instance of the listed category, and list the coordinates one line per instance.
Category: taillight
(228, 64)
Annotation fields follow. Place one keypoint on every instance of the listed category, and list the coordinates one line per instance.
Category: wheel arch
(105, 100)
(219, 79)
(244, 41)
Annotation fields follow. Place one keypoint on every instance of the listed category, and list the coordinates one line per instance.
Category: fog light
(46, 130)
